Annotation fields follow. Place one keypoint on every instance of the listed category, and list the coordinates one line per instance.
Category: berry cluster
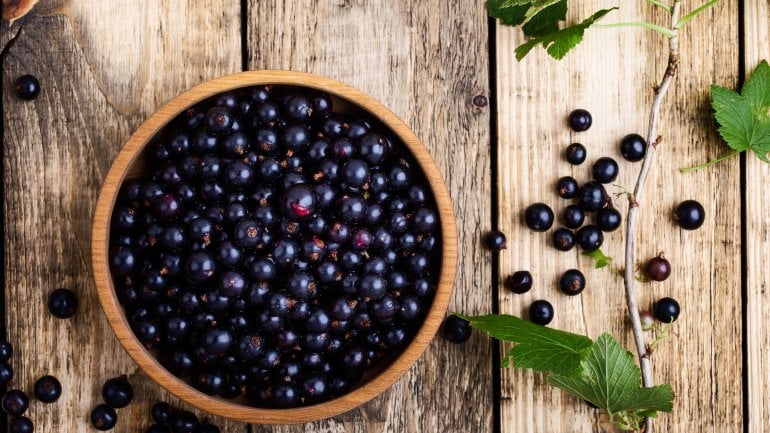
(276, 249)
(169, 419)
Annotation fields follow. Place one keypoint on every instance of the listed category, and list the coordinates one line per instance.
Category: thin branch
(660, 29)
(665, 7)
(685, 19)
(634, 202)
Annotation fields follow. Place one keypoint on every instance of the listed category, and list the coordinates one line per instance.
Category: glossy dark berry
(567, 187)
(27, 87)
(157, 428)
(589, 238)
(6, 351)
(519, 282)
(15, 402)
(200, 266)
(563, 239)
(580, 120)
(658, 268)
(690, 215)
(572, 282)
(219, 120)
(667, 310)
(47, 389)
(573, 216)
(6, 373)
(62, 303)
(592, 197)
(299, 202)
(495, 241)
(117, 392)
(21, 424)
(161, 412)
(608, 219)
(184, 422)
(541, 312)
(605, 170)
(576, 153)
(538, 217)
(633, 147)
(456, 329)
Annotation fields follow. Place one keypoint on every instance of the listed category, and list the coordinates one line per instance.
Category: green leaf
(612, 381)
(599, 257)
(538, 348)
(744, 118)
(546, 20)
(559, 43)
(508, 15)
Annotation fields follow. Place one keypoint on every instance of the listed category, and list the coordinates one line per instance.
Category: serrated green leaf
(507, 15)
(599, 257)
(546, 20)
(744, 118)
(612, 381)
(538, 348)
(559, 43)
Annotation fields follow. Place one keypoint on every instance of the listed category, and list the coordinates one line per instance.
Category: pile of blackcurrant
(276, 249)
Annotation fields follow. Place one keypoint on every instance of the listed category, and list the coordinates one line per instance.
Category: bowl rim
(177, 386)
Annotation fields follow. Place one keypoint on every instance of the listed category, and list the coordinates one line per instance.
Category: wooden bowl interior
(130, 163)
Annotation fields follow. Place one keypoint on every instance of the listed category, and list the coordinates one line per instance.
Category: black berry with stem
(47, 389)
(605, 170)
(538, 217)
(456, 329)
(608, 219)
(21, 424)
(580, 120)
(519, 282)
(117, 392)
(576, 153)
(563, 239)
(494, 240)
(15, 402)
(658, 268)
(6, 350)
(690, 215)
(541, 312)
(572, 282)
(589, 238)
(27, 87)
(573, 216)
(667, 310)
(567, 187)
(592, 197)
(62, 303)
(633, 147)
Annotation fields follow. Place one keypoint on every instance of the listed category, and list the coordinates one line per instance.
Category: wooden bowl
(129, 161)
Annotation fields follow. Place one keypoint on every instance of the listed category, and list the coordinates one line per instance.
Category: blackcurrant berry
(573, 216)
(161, 412)
(563, 239)
(62, 303)
(117, 392)
(605, 170)
(541, 312)
(690, 215)
(572, 282)
(456, 329)
(667, 310)
(567, 187)
(589, 238)
(608, 219)
(495, 241)
(104, 417)
(658, 268)
(15, 402)
(6, 373)
(538, 217)
(576, 153)
(580, 120)
(21, 424)
(47, 389)
(633, 147)
(592, 197)
(27, 87)
(519, 282)
(6, 350)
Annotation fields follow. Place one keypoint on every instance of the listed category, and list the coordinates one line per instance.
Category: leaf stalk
(660, 29)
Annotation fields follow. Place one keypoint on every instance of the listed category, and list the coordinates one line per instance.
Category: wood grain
(610, 75)
(756, 19)
(425, 61)
(129, 161)
(104, 67)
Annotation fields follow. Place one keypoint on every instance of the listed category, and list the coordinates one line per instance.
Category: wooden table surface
(105, 65)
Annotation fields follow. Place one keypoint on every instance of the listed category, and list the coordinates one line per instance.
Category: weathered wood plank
(610, 75)
(425, 61)
(756, 19)
(104, 67)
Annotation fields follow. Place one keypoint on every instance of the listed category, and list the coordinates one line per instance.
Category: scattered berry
(563, 239)
(605, 170)
(576, 153)
(667, 310)
(161, 412)
(117, 392)
(21, 424)
(47, 389)
(15, 402)
(608, 219)
(495, 241)
(658, 268)
(592, 197)
(573, 216)
(572, 282)
(567, 187)
(633, 147)
(6, 351)
(104, 417)
(580, 120)
(538, 217)
(63, 303)
(27, 87)
(690, 215)
(456, 329)
(6, 373)
(589, 238)
(541, 312)
(519, 282)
